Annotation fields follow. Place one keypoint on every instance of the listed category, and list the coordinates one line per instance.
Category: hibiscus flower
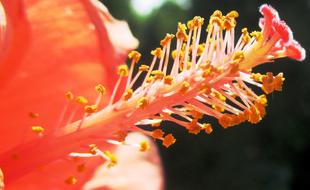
(209, 78)
(48, 48)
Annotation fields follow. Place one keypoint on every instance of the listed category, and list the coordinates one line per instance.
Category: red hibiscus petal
(53, 46)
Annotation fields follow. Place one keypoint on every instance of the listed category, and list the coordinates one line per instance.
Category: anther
(69, 95)
(208, 128)
(194, 127)
(245, 36)
(232, 14)
(142, 102)
(81, 100)
(168, 79)
(158, 75)
(100, 88)
(217, 13)
(181, 33)
(143, 68)
(184, 87)
(166, 40)
(157, 134)
(122, 70)
(157, 52)
(257, 35)
(90, 109)
(168, 140)
(127, 94)
(144, 146)
(134, 56)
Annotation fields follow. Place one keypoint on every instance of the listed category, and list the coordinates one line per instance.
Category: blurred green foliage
(272, 155)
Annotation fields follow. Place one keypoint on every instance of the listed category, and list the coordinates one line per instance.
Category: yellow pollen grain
(157, 52)
(122, 70)
(144, 146)
(90, 109)
(135, 56)
(69, 95)
(128, 94)
(143, 68)
(142, 102)
(37, 129)
(72, 180)
(100, 88)
(168, 140)
(184, 87)
(168, 80)
(81, 100)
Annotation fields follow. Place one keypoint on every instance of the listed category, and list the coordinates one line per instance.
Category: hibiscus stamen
(122, 72)
(135, 57)
(210, 79)
(101, 90)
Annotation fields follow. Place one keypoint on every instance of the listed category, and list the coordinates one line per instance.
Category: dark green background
(272, 155)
